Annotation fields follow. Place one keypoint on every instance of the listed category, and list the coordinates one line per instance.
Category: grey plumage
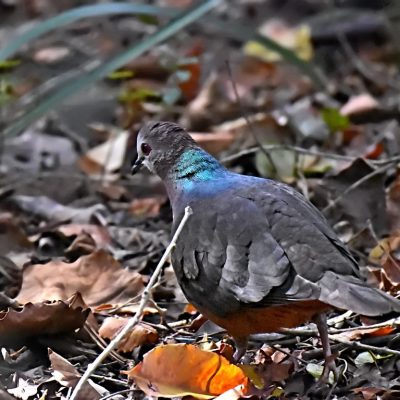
(251, 242)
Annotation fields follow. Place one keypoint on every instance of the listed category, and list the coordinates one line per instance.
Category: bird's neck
(193, 166)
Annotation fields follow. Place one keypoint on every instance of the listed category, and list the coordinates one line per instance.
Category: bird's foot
(241, 347)
(329, 366)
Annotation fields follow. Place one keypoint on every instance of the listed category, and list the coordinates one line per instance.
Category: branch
(301, 150)
(135, 320)
(358, 345)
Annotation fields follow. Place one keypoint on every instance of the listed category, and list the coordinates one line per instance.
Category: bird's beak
(137, 165)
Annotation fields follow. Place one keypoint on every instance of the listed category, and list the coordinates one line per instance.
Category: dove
(255, 256)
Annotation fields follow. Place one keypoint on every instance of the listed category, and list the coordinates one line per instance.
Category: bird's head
(159, 145)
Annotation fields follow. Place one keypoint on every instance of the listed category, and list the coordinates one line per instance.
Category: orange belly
(268, 319)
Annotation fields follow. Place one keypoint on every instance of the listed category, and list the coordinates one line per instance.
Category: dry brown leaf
(82, 244)
(180, 369)
(214, 142)
(138, 335)
(12, 237)
(68, 376)
(99, 233)
(385, 254)
(42, 318)
(107, 157)
(113, 192)
(98, 277)
(190, 87)
(368, 392)
(148, 206)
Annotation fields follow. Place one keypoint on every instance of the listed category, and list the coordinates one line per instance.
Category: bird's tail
(352, 294)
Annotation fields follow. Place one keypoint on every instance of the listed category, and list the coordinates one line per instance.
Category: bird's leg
(241, 347)
(329, 365)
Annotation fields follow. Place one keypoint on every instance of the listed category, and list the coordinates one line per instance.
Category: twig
(247, 119)
(301, 150)
(395, 322)
(134, 320)
(339, 319)
(355, 185)
(358, 345)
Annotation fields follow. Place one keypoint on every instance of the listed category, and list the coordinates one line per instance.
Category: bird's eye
(146, 149)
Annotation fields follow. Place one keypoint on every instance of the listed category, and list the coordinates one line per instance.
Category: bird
(255, 256)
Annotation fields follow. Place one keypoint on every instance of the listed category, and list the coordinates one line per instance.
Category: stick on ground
(134, 320)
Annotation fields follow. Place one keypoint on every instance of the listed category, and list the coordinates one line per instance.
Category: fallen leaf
(98, 277)
(12, 238)
(368, 392)
(374, 151)
(180, 369)
(214, 142)
(51, 55)
(364, 358)
(10, 277)
(99, 233)
(297, 39)
(386, 254)
(107, 157)
(113, 192)
(148, 206)
(358, 334)
(24, 389)
(335, 120)
(83, 244)
(359, 104)
(137, 336)
(68, 376)
(191, 66)
(235, 393)
(316, 371)
(42, 318)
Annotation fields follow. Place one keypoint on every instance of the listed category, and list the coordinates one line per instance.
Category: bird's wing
(268, 246)
(316, 253)
(227, 256)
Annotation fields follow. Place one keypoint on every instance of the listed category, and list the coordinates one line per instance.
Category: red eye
(146, 149)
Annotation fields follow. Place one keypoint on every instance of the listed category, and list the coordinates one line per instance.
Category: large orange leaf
(98, 277)
(179, 369)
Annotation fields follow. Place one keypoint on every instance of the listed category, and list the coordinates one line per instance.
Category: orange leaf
(366, 332)
(180, 369)
(190, 87)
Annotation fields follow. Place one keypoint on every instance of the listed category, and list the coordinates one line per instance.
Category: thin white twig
(134, 320)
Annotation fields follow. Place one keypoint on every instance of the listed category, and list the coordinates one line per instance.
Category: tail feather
(352, 294)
